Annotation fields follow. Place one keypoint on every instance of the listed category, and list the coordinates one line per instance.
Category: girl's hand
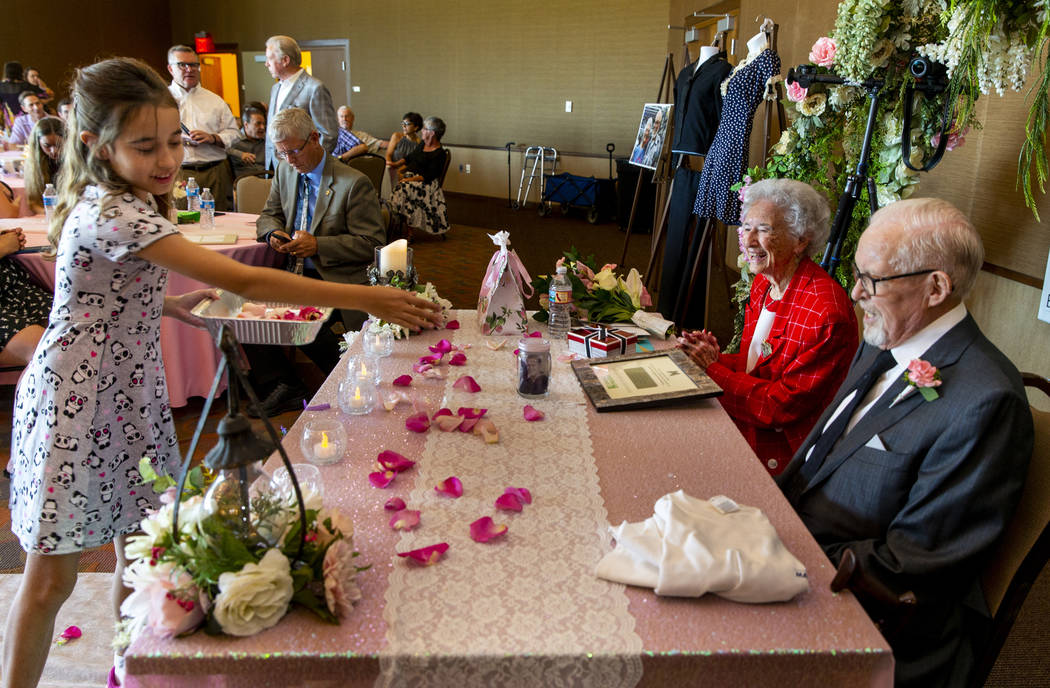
(403, 308)
(11, 240)
(179, 307)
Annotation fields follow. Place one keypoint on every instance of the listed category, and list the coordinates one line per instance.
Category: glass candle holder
(364, 365)
(357, 395)
(379, 343)
(324, 441)
(534, 367)
(307, 475)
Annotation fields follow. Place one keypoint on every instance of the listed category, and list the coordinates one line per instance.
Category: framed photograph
(644, 379)
(652, 135)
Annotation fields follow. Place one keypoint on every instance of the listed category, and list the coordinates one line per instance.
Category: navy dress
(727, 159)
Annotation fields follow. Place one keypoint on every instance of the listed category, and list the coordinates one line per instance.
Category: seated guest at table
(65, 106)
(42, 159)
(32, 112)
(24, 307)
(8, 203)
(248, 153)
(11, 87)
(799, 328)
(212, 128)
(919, 489)
(33, 78)
(402, 143)
(418, 199)
(325, 217)
(354, 142)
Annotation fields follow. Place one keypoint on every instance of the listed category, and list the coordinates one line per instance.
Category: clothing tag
(723, 504)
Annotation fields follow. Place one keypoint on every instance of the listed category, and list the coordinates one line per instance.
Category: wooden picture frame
(659, 377)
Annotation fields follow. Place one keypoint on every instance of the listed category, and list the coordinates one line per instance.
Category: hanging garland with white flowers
(984, 44)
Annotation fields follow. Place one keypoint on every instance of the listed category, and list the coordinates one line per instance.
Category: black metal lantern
(238, 456)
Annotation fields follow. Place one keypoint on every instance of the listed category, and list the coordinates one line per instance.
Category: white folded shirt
(691, 546)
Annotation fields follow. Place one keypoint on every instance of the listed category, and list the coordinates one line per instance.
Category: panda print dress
(93, 400)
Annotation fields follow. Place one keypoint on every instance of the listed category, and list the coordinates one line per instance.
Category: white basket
(223, 311)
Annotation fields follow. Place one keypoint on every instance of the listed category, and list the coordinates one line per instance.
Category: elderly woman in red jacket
(800, 331)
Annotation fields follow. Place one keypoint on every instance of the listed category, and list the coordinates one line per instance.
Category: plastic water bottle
(50, 198)
(193, 201)
(559, 307)
(207, 210)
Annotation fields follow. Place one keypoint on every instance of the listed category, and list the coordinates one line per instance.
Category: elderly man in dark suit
(325, 217)
(296, 88)
(919, 474)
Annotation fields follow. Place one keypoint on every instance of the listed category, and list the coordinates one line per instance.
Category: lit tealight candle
(323, 449)
(394, 257)
(357, 401)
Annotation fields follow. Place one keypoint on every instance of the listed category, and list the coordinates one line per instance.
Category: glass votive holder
(357, 395)
(323, 441)
(534, 367)
(378, 343)
(307, 475)
(364, 365)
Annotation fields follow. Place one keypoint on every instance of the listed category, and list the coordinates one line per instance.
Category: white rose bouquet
(215, 578)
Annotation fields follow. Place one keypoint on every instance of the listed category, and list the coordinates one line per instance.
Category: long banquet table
(190, 356)
(526, 610)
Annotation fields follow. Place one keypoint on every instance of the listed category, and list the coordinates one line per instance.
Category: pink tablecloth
(817, 639)
(190, 356)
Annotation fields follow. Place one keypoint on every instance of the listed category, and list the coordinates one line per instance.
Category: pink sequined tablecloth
(415, 621)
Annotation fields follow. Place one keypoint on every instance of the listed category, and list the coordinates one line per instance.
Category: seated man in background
(354, 142)
(32, 112)
(325, 217)
(65, 106)
(918, 462)
(248, 153)
(11, 88)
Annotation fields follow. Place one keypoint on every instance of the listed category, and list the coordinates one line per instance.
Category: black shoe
(282, 399)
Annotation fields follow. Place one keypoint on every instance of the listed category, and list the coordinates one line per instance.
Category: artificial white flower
(787, 142)
(340, 579)
(256, 597)
(341, 523)
(813, 105)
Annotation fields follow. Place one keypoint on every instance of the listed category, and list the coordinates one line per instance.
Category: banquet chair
(250, 194)
(372, 166)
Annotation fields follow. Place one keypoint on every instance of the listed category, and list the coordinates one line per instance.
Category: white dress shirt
(202, 109)
(285, 88)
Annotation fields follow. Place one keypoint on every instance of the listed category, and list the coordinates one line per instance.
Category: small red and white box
(601, 342)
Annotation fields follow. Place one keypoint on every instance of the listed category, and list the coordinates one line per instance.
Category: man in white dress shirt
(296, 88)
(209, 128)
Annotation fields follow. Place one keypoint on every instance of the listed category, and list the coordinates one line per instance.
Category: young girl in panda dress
(93, 401)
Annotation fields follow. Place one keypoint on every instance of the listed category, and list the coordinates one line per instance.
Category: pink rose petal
(434, 373)
(448, 423)
(421, 367)
(418, 422)
(406, 519)
(452, 325)
(467, 424)
(432, 359)
(516, 352)
(427, 556)
(467, 384)
(443, 412)
(381, 479)
(394, 504)
(467, 412)
(483, 530)
(71, 633)
(522, 493)
(534, 334)
(402, 381)
(393, 399)
(450, 486)
(442, 347)
(392, 461)
(459, 358)
(532, 414)
(487, 429)
(509, 502)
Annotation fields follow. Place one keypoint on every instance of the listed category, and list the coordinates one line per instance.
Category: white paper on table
(1044, 300)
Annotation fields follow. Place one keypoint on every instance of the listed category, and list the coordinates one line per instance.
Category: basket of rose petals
(262, 323)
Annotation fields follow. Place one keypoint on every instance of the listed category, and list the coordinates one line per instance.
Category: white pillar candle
(394, 257)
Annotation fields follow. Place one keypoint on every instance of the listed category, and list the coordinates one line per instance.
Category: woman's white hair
(804, 211)
(936, 235)
(292, 123)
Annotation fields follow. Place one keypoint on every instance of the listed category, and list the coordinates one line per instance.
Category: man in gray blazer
(325, 217)
(919, 480)
(296, 88)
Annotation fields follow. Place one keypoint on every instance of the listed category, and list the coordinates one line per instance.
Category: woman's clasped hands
(699, 345)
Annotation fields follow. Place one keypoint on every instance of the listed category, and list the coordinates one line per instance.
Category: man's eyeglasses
(186, 65)
(867, 282)
(285, 154)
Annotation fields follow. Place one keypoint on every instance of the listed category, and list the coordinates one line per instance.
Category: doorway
(331, 64)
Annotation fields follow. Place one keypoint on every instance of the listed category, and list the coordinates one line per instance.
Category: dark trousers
(678, 260)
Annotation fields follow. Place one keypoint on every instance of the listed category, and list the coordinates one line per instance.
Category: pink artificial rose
(955, 139)
(922, 374)
(645, 299)
(823, 52)
(173, 613)
(796, 93)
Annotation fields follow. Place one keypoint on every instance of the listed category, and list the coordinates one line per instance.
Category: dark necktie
(883, 362)
(302, 224)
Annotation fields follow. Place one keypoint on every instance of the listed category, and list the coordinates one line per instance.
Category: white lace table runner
(526, 608)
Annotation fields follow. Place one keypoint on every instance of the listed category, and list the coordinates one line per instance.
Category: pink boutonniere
(924, 377)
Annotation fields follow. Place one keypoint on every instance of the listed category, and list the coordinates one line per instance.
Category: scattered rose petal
(402, 381)
(442, 347)
(467, 412)
(537, 333)
(532, 414)
(495, 344)
(434, 373)
(432, 359)
(392, 461)
(516, 352)
(418, 422)
(450, 486)
(71, 633)
(483, 530)
(316, 407)
(381, 479)
(406, 519)
(448, 423)
(487, 429)
(467, 424)
(427, 556)
(394, 504)
(421, 367)
(459, 358)
(467, 384)
(443, 412)
(522, 493)
(452, 325)
(393, 399)
(509, 502)
(568, 356)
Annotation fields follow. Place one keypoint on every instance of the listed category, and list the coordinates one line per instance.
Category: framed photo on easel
(652, 135)
(644, 379)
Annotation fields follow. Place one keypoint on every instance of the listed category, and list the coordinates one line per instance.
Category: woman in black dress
(418, 200)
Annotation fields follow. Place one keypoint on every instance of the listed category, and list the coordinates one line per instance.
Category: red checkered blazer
(813, 340)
